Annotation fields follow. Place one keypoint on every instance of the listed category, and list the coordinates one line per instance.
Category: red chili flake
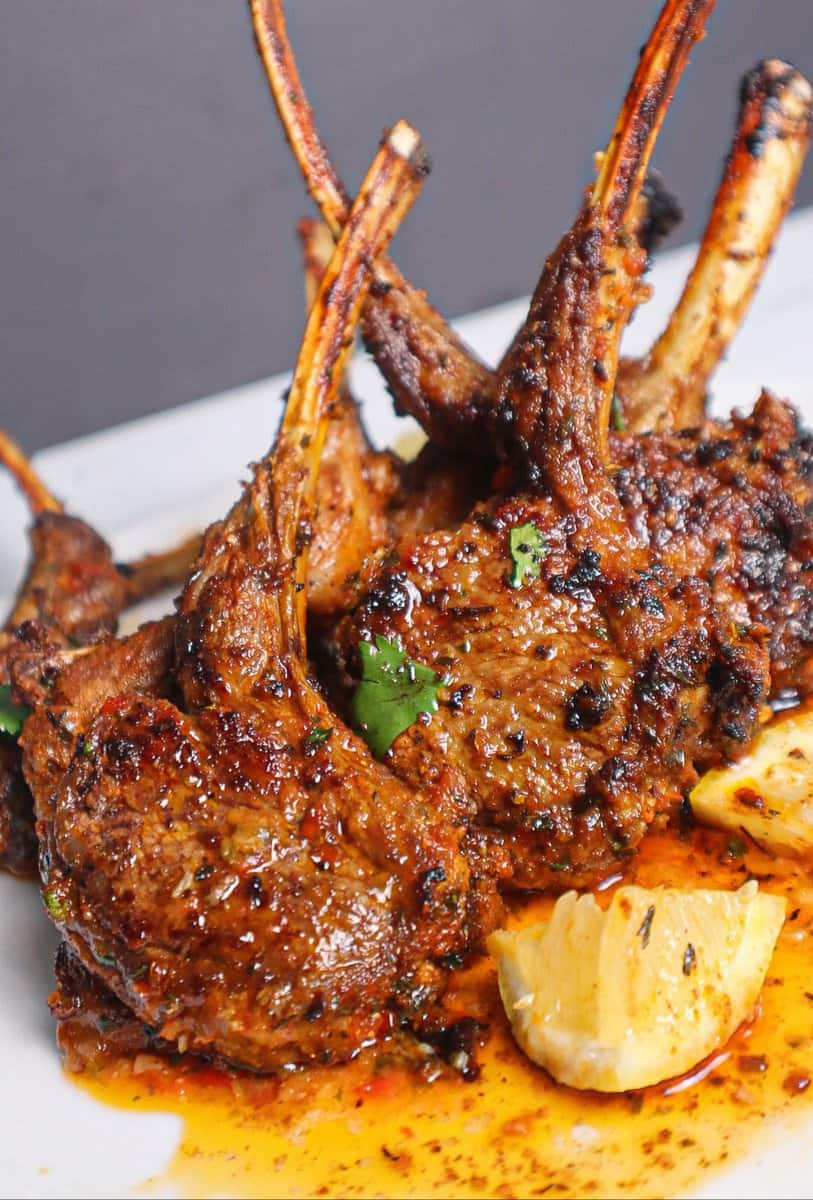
(376, 1087)
(386, 1024)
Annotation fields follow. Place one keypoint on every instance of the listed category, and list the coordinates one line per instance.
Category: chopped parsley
(316, 738)
(527, 546)
(11, 715)
(617, 414)
(54, 905)
(393, 693)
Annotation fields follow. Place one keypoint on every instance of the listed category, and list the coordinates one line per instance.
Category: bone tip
(781, 80)
(404, 140)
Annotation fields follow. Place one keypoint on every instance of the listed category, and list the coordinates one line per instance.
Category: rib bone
(557, 384)
(667, 389)
(431, 373)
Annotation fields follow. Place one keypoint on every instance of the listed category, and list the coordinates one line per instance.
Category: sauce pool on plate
(385, 1125)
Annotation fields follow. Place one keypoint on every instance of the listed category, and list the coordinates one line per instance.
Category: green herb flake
(528, 547)
(317, 737)
(394, 691)
(736, 848)
(617, 415)
(54, 905)
(453, 962)
(11, 715)
(561, 864)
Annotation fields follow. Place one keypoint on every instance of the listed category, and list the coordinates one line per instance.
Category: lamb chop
(578, 688)
(74, 593)
(583, 680)
(760, 505)
(267, 892)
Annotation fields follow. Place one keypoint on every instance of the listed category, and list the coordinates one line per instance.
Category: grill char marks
(732, 505)
(575, 707)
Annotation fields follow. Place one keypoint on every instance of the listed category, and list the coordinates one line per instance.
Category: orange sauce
(379, 1128)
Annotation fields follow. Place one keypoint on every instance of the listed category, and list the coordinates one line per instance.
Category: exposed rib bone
(557, 384)
(144, 577)
(19, 465)
(667, 388)
(154, 573)
(317, 251)
(274, 509)
(618, 188)
(663, 59)
(431, 373)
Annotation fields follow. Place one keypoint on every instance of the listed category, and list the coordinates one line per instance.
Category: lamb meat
(267, 893)
(578, 695)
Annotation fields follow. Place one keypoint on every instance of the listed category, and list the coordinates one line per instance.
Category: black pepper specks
(646, 926)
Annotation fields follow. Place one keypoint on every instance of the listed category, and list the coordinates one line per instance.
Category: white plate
(143, 485)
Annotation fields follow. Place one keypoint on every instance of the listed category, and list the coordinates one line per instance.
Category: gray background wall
(147, 201)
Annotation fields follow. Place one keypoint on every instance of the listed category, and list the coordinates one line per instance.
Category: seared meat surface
(231, 862)
(18, 842)
(233, 871)
(574, 707)
(72, 596)
(73, 593)
(91, 1021)
(569, 729)
(580, 695)
(733, 504)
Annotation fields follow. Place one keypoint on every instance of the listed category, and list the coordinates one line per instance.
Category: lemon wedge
(769, 792)
(640, 992)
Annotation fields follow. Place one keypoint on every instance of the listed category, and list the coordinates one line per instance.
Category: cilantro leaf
(316, 738)
(617, 414)
(11, 715)
(528, 547)
(393, 692)
(54, 905)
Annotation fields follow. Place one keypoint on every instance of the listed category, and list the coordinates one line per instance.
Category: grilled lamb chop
(586, 676)
(667, 388)
(267, 891)
(579, 696)
(72, 596)
(74, 593)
